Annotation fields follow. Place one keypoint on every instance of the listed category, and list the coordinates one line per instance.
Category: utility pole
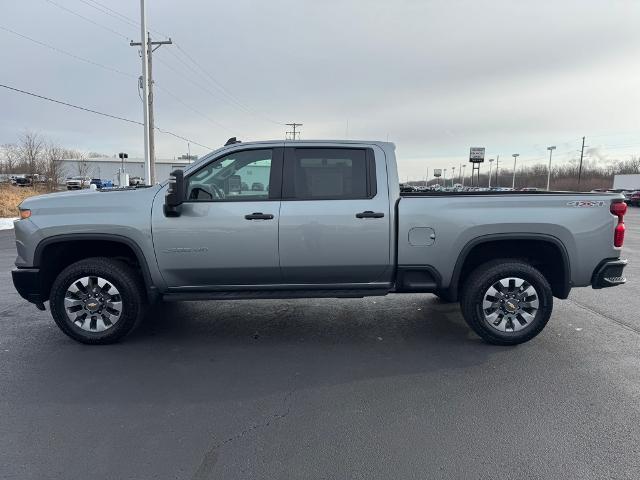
(453, 175)
(497, 165)
(580, 168)
(293, 133)
(490, 165)
(515, 158)
(147, 87)
(551, 149)
(464, 166)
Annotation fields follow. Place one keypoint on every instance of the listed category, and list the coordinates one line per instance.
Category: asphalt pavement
(392, 387)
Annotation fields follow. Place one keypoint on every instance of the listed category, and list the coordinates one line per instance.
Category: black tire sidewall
(485, 276)
(115, 272)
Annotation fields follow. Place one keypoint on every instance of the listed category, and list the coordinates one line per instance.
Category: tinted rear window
(327, 173)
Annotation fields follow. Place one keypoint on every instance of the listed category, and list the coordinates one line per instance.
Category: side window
(329, 174)
(238, 176)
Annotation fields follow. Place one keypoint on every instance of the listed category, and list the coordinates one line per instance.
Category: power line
(70, 104)
(126, 18)
(186, 105)
(69, 54)
(182, 138)
(111, 13)
(224, 89)
(87, 19)
(115, 117)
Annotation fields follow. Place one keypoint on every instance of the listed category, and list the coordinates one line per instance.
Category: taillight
(618, 209)
(618, 234)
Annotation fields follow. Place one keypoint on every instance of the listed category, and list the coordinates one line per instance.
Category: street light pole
(515, 158)
(453, 175)
(490, 165)
(462, 171)
(551, 149)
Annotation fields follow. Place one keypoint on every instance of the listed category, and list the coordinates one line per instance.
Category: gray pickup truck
(303, 219)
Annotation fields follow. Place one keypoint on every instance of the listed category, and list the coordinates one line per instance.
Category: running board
(272, 294)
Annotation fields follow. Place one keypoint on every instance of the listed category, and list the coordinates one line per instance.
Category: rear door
(334, 216)
(227, 233)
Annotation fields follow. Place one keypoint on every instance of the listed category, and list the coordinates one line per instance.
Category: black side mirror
(175, 194)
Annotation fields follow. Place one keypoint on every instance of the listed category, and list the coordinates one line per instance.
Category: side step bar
(272, 294)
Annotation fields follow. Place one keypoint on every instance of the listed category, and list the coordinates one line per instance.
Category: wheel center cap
(92, 305)
(511, 306)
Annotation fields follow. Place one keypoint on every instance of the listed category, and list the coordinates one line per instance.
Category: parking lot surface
(390, 387)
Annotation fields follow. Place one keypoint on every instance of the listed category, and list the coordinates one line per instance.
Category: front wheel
(506, 301)
(97, 300)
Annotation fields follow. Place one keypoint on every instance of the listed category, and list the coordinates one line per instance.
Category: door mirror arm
(174, 197)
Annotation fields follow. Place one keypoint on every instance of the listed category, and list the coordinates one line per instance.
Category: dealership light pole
(490, 164)
(453, 175)
(551, 149)
(515, 159)
(464, 165)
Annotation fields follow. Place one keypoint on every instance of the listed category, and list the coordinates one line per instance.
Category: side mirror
(175, 194)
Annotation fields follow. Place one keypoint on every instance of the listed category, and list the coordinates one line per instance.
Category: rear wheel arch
(545, 252)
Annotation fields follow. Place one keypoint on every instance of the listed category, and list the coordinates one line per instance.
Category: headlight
(24, 213)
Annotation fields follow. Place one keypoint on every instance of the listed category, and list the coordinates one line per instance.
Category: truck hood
(90, 200)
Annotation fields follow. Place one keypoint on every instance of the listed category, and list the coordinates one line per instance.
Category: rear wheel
(506, 302)
(97, 300)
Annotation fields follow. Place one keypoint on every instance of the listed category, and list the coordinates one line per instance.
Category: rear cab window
(312, 173)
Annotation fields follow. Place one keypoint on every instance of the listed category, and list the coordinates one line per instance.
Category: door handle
(259, 216)
(369, 214)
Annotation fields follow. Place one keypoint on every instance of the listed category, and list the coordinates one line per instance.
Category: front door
(335, 216)
(227, 233)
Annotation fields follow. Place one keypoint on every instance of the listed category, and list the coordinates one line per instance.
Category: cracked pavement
(382, 387)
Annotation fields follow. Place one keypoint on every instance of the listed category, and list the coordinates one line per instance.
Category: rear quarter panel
(585, 231)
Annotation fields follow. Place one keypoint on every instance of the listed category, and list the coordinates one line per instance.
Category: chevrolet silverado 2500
(329, 222)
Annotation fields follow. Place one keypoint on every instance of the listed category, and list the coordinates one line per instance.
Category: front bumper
(609, 273)
(27, 282)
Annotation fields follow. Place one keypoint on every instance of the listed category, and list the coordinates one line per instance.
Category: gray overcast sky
(435, 77)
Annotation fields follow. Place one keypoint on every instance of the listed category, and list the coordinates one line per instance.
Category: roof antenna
(231, 141)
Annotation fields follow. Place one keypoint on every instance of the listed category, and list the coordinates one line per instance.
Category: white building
(628, 182)
(107, 168)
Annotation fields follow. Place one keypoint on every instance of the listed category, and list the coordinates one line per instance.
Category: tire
(513, 315)
(118, 303)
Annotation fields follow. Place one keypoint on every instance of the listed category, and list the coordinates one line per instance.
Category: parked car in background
(24, 181)
(78, 183)
(528, 189)
(634, 198)
(135, 181)
(257, 187)
(97, 182)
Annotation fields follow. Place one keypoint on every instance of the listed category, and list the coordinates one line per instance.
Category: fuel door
(421, 236)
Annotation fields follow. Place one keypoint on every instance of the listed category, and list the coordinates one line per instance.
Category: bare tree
(83, 166)
(11, 157)
(31, 150)
(54, 168)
